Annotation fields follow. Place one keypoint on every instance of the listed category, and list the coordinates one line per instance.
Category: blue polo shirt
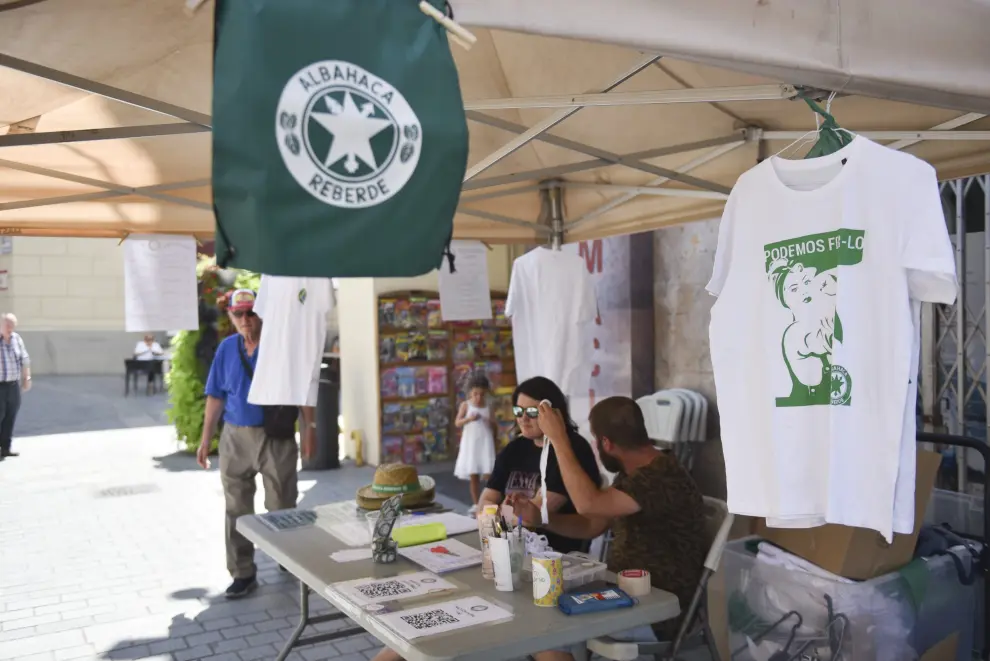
(230, 382)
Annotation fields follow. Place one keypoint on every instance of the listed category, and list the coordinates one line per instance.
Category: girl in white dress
(476, 456)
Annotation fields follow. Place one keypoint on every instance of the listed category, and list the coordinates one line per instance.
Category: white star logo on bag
(347, 136)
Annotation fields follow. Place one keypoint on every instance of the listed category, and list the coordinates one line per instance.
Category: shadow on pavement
(179, 461)
(64, 404)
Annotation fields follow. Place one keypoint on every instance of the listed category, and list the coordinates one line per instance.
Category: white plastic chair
(663, 416)
(694, 631)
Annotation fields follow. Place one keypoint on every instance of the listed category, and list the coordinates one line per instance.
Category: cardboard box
(946, 650)
(859, 553)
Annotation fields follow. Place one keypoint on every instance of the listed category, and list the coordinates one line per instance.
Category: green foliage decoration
(186, 379)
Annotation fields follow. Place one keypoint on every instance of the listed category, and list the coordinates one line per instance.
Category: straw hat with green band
(397, 479)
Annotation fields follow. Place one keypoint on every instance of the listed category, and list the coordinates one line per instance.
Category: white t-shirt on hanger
(813, 336)
(294, 311)
(551, 301)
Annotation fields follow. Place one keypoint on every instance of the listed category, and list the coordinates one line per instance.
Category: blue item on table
(594, 601)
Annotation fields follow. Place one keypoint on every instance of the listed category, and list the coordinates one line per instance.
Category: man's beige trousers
(245, 452)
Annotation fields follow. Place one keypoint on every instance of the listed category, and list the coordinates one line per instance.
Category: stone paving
(113, 549)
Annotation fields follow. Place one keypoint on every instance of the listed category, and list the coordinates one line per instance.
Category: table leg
(296, 639)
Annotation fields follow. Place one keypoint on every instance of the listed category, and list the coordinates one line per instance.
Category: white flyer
(464, 294)
(440, 557)
(160, 291)
(369, 591)
(443, 617)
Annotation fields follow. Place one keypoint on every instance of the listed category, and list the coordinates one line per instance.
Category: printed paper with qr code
(368, 591)
(445, 616)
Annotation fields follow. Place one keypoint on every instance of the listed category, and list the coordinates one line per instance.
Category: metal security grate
(955, 351)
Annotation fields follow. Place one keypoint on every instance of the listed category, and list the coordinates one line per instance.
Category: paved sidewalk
(113, 549)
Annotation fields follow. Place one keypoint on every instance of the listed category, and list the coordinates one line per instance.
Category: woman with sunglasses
(517, 467)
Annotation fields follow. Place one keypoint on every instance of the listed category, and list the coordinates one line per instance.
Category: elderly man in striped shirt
(15, 376)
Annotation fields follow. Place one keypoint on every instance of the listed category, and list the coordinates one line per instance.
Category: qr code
(383, 590)
(429, 619)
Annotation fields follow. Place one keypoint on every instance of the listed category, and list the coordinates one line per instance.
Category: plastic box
(963, 513)
(894, 617)
(579, 569)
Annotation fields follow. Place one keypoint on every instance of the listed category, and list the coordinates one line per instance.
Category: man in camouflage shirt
(654, 508)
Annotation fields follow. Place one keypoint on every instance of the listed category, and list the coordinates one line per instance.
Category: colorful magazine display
(425, 366)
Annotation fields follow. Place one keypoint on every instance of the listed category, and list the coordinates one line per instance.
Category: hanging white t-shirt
(813, 334)
(294, 312)
(551, 302)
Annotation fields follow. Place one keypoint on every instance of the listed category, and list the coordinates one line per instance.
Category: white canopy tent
(635, 114)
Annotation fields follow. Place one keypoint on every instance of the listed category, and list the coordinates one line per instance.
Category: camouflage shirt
(667, 536)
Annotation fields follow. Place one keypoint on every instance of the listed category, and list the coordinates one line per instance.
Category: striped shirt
(13, 358)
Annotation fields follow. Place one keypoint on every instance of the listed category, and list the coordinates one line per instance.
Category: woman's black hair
(540, 388)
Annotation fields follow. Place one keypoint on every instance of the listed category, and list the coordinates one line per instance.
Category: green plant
(186, 379)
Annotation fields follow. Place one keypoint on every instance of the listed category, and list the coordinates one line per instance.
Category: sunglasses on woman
(529, 411)
(243, 313)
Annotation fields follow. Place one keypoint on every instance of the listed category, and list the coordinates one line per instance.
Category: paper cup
(548, 579)
(502, 563)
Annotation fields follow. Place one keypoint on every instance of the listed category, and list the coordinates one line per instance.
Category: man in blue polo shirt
(245, 448)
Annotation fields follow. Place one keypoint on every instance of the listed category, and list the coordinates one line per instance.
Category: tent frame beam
(106, 91)
(506, 220)
(97, 183)
(588, 150)
(556, 171)
(772, 92)
(89, 135)
(548, 123)
(917, 136)
(103, 195)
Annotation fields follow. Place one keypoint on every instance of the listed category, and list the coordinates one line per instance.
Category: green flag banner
(339, 137)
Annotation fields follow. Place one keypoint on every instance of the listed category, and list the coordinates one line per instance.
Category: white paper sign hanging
(464, 294)
(160, 283)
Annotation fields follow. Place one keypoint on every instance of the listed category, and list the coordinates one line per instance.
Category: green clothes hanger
(831, 136)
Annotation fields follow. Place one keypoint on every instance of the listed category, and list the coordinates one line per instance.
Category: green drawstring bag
(339, 137)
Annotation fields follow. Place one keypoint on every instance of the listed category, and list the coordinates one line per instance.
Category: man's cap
(241, 299)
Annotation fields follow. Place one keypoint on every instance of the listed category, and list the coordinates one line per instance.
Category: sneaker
(473, 510)
(241, 587)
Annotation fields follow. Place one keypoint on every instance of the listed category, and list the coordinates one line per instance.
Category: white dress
(477, 453)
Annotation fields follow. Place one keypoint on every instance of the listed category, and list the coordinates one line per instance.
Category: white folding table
(305, 552)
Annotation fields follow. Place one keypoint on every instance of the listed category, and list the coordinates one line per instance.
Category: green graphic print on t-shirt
(803, 272)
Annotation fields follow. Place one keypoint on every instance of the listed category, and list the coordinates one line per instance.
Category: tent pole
(556, 215)
(88, 135)
(962, 120)
(93, 87)
(891, 135)
(692, 95)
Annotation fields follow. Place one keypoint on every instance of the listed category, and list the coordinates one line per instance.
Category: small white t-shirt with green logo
(814, 336)
(294, 311)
